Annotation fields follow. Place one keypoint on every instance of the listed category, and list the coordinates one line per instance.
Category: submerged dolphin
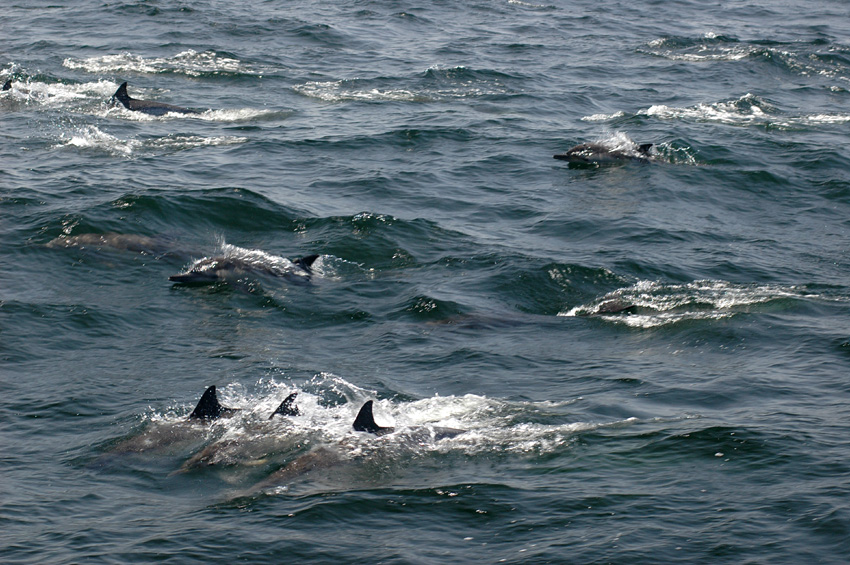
(588, 153)
(180, 434)
(147, 106)
(213, 269)
(156, 245)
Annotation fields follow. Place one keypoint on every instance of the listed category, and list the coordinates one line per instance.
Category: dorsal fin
(7, 85)
(306, 262)
(208, 407)
(644, 148)
(122, 96)
(287, 407)
(365, 422)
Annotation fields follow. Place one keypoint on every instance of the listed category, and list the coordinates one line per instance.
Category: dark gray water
(466, 280)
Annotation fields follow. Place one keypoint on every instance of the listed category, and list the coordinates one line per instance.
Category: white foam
(91, 137)
(188, 62)
(603, 117)
(660, 304)
(743, 111)
(334, 91)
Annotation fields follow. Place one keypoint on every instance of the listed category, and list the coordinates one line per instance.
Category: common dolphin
(241, 450)
(365, 422)
(156, 245)
(590, 153)
(325, 457)
(181, 434)
(151, 107)
(213, 269)
(610, 306)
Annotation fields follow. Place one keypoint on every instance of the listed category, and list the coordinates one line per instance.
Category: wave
(93, 138)
(434, 85)
(747, 110)
(189, 63)
(803, 59)
(224, 116)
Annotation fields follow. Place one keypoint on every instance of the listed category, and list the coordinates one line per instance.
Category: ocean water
(649, 359)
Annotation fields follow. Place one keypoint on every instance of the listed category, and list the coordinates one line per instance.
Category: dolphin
(596, 153)
(7, 85)
(180, 434)
(214, 269)
(243, 450)
(610, 306)
(327, 457)
(156, 245)
(365, 422)
(150, 107)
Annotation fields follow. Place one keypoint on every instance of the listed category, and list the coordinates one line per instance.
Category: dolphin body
(157, 245)
(239, 450)
(365, 422)
(596, 153)
(214, 269)
(150, 107)
(178, 435)
(329, 457)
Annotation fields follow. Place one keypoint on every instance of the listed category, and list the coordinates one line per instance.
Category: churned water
(649, 359)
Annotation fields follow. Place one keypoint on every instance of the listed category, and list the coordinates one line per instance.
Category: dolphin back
(146, 106)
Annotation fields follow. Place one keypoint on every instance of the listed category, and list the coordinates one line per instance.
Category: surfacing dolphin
(244, 450)
(597, 153)
(166, 436)
(365, 422)
(150, 107)
(327, 457)
(214, 269)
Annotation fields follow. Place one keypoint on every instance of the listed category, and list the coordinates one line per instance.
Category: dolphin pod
(597, 153)
(264, 441)
(209, 408)
(150, 107)
(324, 457)
(192, 429)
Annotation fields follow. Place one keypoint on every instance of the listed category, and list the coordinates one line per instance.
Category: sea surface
(649, 360)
